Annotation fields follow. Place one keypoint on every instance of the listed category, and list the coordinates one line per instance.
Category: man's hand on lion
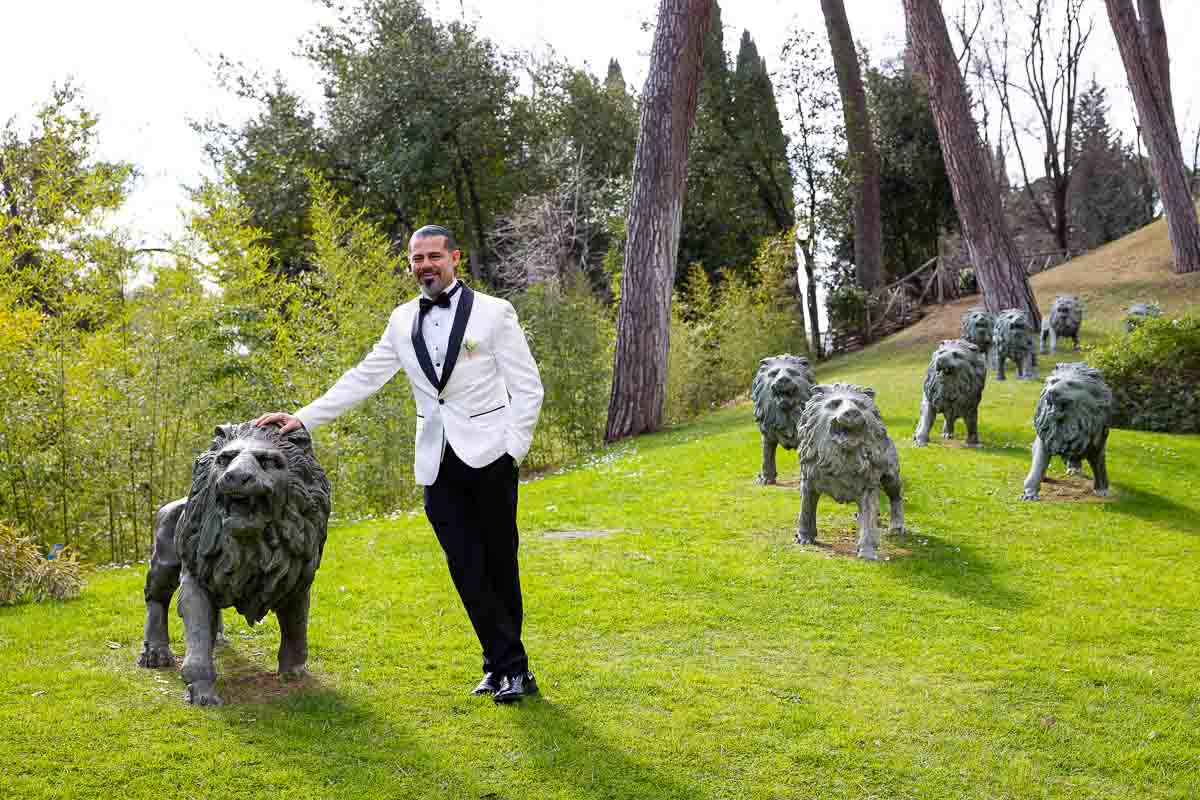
(286, 422)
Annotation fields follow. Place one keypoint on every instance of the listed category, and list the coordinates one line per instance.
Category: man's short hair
(436, 230)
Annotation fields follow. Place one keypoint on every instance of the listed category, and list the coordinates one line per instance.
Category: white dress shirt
(436, 325)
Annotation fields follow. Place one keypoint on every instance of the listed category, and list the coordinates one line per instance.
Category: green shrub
(1154, 372)
(847, 307)
(27, 576)
(718, 337)
(572, 340)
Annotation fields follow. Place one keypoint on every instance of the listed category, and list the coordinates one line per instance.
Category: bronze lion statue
(1071, 421)
(1012, 337)
(780, 390)
(1065, 319)
(845, 452)
(953, 387)
(249, 535)
(976, 327)
(1139, 313)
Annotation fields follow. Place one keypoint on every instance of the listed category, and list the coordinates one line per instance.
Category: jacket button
(441, 402)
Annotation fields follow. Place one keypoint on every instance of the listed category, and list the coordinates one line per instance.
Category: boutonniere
(470, 346)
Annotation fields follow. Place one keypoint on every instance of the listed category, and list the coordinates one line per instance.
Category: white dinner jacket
(486, 402)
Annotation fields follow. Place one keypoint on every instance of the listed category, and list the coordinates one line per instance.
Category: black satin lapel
(418, 340)
(461, 314)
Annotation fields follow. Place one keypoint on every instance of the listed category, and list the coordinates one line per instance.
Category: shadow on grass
(347, 748)
(1021, 453)
(956, 570)
(583, 764)
(342, 748)
(1151, 507)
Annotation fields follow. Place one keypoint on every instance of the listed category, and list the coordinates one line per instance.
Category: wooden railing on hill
(902, 302)
(895, 306)
(1040, 262)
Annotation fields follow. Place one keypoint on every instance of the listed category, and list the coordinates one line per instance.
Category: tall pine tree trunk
(998, 268)
(810, 296)
(863, 157)
(1154, 39)
(1062, 224)
(639, 385)
(1143, 49)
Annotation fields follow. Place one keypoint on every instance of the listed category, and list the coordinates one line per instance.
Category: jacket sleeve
(522, 380)
(357, 384)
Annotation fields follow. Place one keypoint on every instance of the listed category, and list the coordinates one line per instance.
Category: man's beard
(433, 285)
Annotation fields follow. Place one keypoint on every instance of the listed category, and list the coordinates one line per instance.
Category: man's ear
(455, 256)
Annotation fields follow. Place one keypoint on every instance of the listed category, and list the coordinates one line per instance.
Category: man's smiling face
(432, 264)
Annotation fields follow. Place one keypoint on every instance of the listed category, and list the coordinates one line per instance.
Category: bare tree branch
(966, 28)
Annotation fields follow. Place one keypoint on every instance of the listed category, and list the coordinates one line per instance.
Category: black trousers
(474, 514)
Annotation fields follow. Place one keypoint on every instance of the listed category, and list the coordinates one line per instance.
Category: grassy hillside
(685, 647)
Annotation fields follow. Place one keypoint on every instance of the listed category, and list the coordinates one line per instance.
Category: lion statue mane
(845, 452)
(1012, 337)
(1071, 421)
(1065, 319)
(780, 390)
(953, 387)
(1139, 313)
(249, 535)
(976, 327)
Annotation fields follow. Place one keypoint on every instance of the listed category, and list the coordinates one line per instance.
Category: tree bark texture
(810, 292)
(1149, 80)
(863, 157)
(669, 97)
(1154, 39)
(998, 267)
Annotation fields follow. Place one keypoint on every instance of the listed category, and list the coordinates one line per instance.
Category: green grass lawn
(1004, 650)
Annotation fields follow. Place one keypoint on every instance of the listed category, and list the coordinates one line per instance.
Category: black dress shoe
(490, 684)
(517, 687)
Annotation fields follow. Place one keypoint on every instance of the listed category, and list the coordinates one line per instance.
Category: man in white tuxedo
(478, 394)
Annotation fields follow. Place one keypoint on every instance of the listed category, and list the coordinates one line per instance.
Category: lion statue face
(1073, 410)
(1139, 313)
(844, 446)
(955, 379)
(976, 327)
(250, 479)
(255, 521)
(1013, 332)
(781, 388)
(1066, 315)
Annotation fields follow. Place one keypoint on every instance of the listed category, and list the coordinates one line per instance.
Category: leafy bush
(1154, 372)
(847, 307)
(968, 283)
(572, 340)
(718, 336)
(28, 576)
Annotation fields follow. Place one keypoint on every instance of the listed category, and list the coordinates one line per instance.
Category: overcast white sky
(146, 65)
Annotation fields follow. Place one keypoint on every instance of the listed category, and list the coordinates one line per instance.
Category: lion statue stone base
(1065, 319)
(976, 327)
(780, 390)
(249, 535)
(1012, 338)
(845, 452)
(1071, 421)
(953, 387)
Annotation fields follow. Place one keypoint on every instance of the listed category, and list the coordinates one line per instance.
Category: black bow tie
(442, 300)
